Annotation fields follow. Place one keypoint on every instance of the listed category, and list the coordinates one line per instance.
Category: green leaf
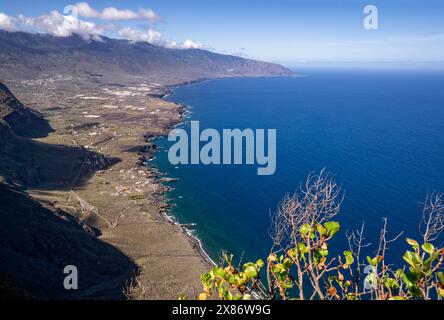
(228, 295)
(375, 261)
(413, 243)
(305, 229)
(332, 227)
(287, 263)
(391, 283)
(301, 247)
(323, 252)
(399, 273)
(251, 272)
(247, 264)
(428, 247)
(412, 258)
(321, 229)
(242, 278)
(260, 263)
(349, 257)
(219, 272)
(441, 278)
(233, 279)
(410, 279)
(408, 258)
(293, 253)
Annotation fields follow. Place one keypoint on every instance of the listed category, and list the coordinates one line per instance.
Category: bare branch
(316, 201)
(432, 222)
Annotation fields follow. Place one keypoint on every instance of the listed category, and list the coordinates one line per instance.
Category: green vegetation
(301, 266)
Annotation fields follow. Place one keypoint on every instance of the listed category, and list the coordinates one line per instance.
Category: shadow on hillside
(29, 123)
(21, 120)
(29, 163)
(37, 242)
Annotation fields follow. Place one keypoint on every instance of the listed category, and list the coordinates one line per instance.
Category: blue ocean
(380, 132)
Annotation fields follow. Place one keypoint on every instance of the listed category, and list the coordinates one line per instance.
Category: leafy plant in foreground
(300, 264)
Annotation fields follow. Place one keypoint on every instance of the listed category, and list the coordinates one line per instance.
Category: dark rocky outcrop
(19, 119)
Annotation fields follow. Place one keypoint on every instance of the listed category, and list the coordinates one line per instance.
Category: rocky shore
(111, 189)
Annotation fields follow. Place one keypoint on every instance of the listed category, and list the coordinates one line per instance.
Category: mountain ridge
(27, 55)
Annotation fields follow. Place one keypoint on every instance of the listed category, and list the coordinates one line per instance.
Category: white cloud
(155, 37)
(60, 25)
(150, 35)
(84, 10)
(6, 22)
(69, 23)
(187, 44)
(111, 13)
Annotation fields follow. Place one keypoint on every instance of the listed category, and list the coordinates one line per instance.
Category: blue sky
(285, 31)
